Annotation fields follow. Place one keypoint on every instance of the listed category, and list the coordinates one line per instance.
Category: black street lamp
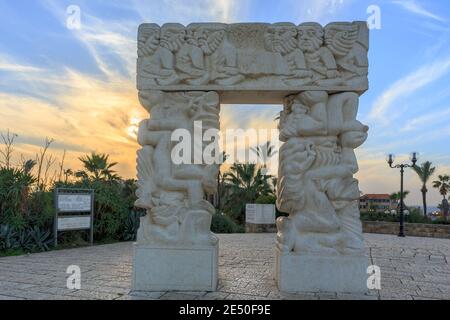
(402, 167)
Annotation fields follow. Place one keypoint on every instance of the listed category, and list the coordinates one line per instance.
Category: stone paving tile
(276, 295)
(347, 296)
(411, 268)
(95, 295)
(236, 296)
(214, 296)
(4, 298)
(181, 296)
(150, 295)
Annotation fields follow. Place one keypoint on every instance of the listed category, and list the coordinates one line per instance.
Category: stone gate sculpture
(318, 73)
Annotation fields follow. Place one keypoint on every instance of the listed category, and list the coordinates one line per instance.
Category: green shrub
(441, 221)
(8, 238)
(379, 216)
(224, 224)
(41, 210)
(266, 199)
(73, 239)
(416, 216)
(14, 188)
(41, 239)
(32, 239)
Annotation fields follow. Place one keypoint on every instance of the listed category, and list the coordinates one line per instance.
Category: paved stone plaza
(412, 268)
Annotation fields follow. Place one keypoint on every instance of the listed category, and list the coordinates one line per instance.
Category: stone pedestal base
(296, 273)
(157, 268)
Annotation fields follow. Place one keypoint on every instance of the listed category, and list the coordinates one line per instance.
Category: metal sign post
(71, 206)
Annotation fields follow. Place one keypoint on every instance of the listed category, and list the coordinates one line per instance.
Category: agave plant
(40, 239)
(24, 240)
(7, 238)
(132, 225)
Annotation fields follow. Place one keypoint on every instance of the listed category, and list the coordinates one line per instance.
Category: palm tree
(397, 195)
(245, 183)
(264, 153)
(443, 184)
(97, 167)
(67, 173)
(425, 171)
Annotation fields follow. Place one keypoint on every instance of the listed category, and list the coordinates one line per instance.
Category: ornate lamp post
(402, 167)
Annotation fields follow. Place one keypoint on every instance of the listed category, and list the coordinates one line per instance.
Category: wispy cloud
(187, 11)
(16, 67)
(426, 120)
(416, 8)
(90, 112)
(407, 86)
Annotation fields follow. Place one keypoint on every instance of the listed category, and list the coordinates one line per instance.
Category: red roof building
(376, 203)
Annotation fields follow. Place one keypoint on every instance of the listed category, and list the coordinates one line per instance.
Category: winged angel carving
(197, 55)
(336, 55)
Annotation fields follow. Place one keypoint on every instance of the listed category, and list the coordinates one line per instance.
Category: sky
(77, 86)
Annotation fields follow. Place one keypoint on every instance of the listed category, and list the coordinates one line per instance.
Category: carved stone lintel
(253, 58)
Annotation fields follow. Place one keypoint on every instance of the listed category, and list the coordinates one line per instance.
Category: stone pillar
(320, 245)
(175, 248)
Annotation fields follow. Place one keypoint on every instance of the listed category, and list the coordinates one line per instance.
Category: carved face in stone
(172, 37)
(201, 34)
(191, 38)
(310, 37)
(280, 38)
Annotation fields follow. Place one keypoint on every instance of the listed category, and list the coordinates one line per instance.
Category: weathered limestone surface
(253, 62)
(190, 268)
(316, 187)
(173, 194)
(178, 218)
(184, 73)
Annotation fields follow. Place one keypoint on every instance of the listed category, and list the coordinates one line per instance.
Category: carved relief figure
(174, 194)
(279, 54)
(316, 184)
(158, 60)
(190, 62)
(220, 55)
(347, 42)
(280, 38)
(318, 59)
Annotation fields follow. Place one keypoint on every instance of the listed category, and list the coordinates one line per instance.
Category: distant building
(377, 203)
